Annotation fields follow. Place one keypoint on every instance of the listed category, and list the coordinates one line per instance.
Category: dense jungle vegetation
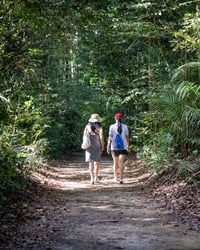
(62, 60)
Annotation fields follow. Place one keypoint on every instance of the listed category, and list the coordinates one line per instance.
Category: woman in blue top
(118, 146)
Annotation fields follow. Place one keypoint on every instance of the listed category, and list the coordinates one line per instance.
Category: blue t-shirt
(113, 133)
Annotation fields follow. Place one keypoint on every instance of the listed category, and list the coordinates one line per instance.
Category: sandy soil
(72, 214)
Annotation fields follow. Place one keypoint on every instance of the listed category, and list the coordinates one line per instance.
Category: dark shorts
(119, 152)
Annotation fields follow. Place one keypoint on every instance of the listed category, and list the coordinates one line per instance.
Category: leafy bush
(12, 168)
(158, 151)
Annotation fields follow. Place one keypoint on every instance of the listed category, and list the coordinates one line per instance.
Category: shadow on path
(77, 215)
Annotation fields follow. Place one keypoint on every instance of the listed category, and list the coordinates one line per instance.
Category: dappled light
(61, 62)
(70, 213)
(73, 176)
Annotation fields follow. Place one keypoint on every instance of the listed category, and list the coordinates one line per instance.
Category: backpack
(119, 144)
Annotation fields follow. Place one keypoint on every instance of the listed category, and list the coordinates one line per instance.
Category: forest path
(72, 214)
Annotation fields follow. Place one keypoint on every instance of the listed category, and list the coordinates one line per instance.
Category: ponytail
(119, 125)
(94, 125)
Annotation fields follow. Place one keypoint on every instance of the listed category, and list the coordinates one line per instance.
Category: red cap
(119, 115)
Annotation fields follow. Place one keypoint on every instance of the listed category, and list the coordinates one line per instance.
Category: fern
(178, 107)
(187, 71)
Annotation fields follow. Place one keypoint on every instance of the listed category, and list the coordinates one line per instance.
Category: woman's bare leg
(91, 170)
(121, 167)
(96, 170)
(116, 167)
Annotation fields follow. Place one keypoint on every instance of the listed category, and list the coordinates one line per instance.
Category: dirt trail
(76, 215)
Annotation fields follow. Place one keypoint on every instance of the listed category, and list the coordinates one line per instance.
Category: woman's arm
(128, 143)
(109, 144)
(101, 139)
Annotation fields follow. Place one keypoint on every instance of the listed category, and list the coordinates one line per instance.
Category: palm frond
(187, 71)
(188, 90)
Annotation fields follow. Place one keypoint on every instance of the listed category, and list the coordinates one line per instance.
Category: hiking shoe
(115, 179)
(96, 179)
(92, 180)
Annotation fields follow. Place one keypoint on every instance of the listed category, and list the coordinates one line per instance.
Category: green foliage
(177, 114)
(158, 151)
(12, 168)
(59, 64)
(187, 38)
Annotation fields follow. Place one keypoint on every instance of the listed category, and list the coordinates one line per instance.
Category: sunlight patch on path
(104, 216)
(75, 175)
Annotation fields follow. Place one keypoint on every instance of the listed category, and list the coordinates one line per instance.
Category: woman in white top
(118, 146)
(93, 153)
